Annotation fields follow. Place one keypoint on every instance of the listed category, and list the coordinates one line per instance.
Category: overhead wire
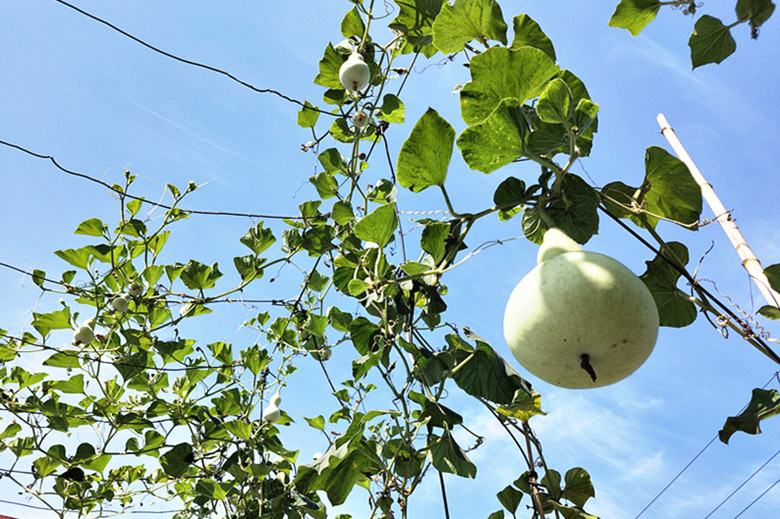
(191, 62)
(145, 201)
(687, 465)
(759, 469)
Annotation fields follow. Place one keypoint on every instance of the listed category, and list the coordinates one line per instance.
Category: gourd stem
(749, 260)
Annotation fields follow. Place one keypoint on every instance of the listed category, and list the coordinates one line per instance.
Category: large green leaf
(480, 371)
(57, 320)
(496, 141)
(579, 487)
(449, 457)
(529, 34)
(763, 404)
(177, 461)
(352, 24)
(197, 276)
(668, 191)
(710, 42)
(467, 20)
(499, 73)
(634, 15)
(329, 69)
(575, 212)
(378, 226)
(425, 155)
(675, 309)
(258, 238)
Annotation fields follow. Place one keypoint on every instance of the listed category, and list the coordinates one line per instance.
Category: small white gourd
(354, 73)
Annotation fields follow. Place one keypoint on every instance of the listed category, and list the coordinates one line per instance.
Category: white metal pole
(749, 260)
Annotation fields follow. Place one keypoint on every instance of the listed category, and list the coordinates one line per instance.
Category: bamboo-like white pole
(749, 260)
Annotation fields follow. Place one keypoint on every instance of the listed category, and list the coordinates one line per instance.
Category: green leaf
(392, 109)
(332, 161)
(510, 498)
(529, 34)
(307, 116)
(498, 514)
(63, 359)
(449, 457)
(525, 404)
(509, 195)
(579, 487)
(57, 320)
(177, 461)
(467, 20)
(496, 141)
(342, 212)
(552, 482)
(346, 463)
(249, 266)
(74, 384)
(710, 42)
(763, 404)
(770, 312)
(425, 155)
(384, 192)
(500, 73)
(210, 489)
(668, 191)
(756, 11)
(772, 273)
(318, 422)
(434, 240)
(378, 226)
(415, 20)
(239, 428)
(91, 227)
(326, 185)
(634, 15)
(352, 24)
(258, 238)
(575, 212)
(79, 258)
(555, 102)
(39, 277)
(480, 371)
(671, 191)
(329, 69)
(339, 319)
(364, 334)
(197, 276)
(675, 309)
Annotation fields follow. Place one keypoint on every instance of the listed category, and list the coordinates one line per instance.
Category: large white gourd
(580, 319)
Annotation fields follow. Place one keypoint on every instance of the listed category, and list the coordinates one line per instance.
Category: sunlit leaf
(425, 155)
(468, 20)
(529, 34)
(499, 73)
(634, 15)
(378, 226)
(496, 141)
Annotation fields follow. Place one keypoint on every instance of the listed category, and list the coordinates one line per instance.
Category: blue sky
(99, 102)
